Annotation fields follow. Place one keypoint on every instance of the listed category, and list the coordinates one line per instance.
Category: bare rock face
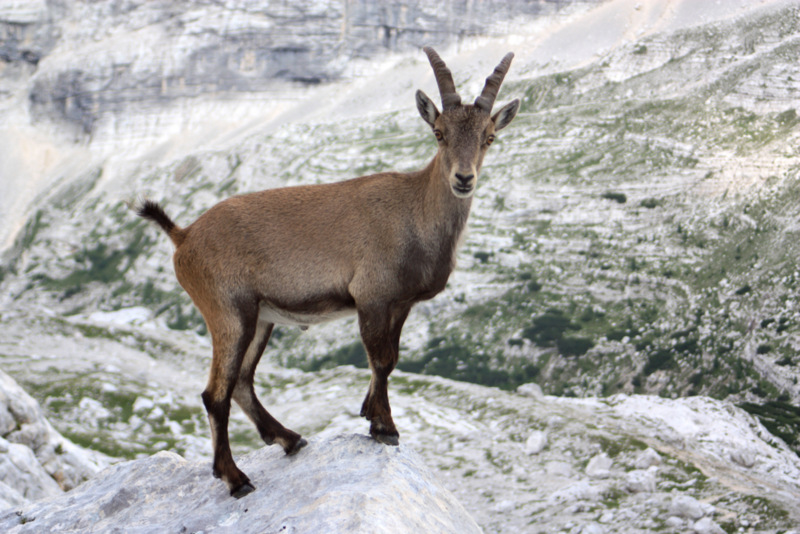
(35, 460)
(96, 59)
(343, 484)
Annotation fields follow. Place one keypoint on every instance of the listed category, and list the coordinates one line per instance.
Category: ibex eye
(490, 140)
(438, 134)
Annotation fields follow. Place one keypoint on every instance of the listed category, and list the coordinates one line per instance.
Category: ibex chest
(428, 264)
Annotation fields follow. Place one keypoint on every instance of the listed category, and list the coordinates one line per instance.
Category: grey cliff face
(211, 49)
(26, 36)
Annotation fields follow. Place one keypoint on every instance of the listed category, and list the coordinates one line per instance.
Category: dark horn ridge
(444, 79)
(493, 82)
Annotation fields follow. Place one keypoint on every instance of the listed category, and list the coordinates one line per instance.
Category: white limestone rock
(348, 483)
(558, 469)
(745, 458)
(590, 528)
(35, 460)
(599, 466)
(641, 480)
(536, 442)
(706, 525)
(581, 491)
(688, 507)
(531, 389)
(20, 470)
(647, 458)
(674, 522)
(7, 423)
(10, 497)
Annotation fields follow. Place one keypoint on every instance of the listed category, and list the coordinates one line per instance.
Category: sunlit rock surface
(343, 484)
(35, 460)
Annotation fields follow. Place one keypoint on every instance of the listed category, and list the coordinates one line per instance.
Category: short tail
(152, 211)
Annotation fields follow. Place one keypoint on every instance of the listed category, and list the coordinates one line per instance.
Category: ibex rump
(374, 246)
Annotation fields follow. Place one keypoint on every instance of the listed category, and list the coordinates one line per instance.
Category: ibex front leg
(380, 332)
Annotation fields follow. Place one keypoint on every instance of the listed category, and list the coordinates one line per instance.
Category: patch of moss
(352, 354)
(549, 327)
(661, 359)
(574, 346)
(619, 198)
(100, 263)
(781, 418)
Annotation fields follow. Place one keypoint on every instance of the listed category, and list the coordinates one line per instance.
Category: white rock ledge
(345, 484)
(35, 460)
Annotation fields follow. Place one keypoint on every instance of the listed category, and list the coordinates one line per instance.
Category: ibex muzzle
(374, 246)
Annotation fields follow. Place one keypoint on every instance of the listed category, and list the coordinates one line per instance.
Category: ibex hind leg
(244, 394)
(231, 332)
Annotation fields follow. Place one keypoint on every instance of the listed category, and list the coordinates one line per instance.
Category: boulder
(35, 460)
(536, 442)
(599, 466)
(348, 483)
(647, 458)
(688, 507)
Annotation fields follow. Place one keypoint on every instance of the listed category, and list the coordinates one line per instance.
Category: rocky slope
(339, 485)
(518, 461)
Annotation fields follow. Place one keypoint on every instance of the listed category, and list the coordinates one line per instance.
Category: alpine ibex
(373, 246)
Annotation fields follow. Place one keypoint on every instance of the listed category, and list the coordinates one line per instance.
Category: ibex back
(374, 246)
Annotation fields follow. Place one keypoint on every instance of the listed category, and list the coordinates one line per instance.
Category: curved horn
(486, 100)
(444, 79)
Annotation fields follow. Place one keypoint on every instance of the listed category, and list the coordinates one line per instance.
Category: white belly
(272, 314)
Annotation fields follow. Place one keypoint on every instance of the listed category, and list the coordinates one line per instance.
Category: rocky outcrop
(348, 483)
(35, 460)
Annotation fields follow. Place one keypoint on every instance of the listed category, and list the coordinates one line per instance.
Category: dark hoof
(242, 490)
(297, 446)
(387, 439)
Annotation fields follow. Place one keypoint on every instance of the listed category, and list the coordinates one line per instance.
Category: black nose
(464, 178)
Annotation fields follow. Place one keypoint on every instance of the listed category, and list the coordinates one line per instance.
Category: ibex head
(464, 132)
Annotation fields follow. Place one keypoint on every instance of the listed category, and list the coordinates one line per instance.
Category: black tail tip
(146, 208)
(151, 210)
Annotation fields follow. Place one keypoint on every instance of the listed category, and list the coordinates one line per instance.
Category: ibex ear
(505, 115)
(427, 108)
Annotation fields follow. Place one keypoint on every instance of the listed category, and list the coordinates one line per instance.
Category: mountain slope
(622, 200)
(518, 461)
